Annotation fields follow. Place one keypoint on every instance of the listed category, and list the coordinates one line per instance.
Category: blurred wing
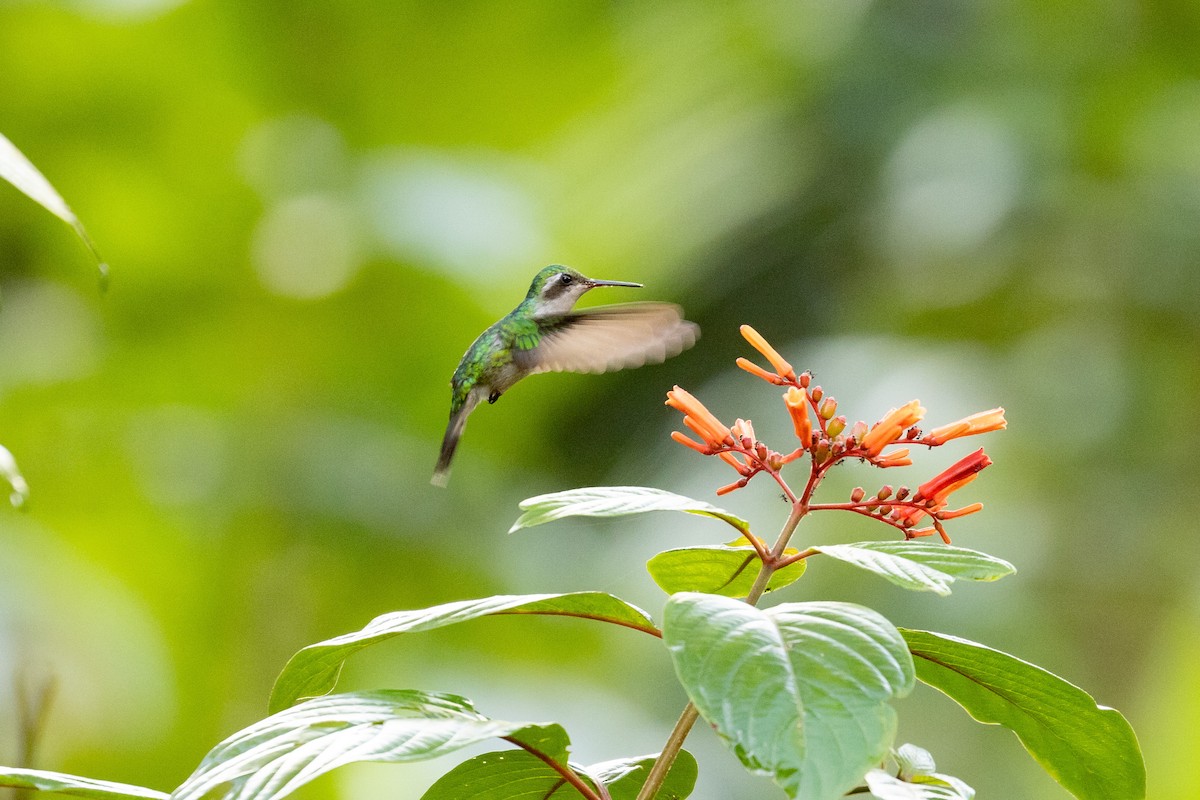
(610, 338)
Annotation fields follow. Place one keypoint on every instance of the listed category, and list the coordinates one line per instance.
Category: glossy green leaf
(276, 756)
(21, 173)
(924, 566)
(718, 569)
(74, 786)
(1090, 749)
(519, 775)
(624, 777)
(314, 670)
(799, 691)
(615, 501)
(11, 475)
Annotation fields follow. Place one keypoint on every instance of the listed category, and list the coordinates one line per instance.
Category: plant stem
(687, 719)
(662, 764)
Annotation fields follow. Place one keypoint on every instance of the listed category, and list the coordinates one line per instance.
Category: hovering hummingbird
(543, 334)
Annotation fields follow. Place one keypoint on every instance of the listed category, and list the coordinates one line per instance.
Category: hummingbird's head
(556, 289)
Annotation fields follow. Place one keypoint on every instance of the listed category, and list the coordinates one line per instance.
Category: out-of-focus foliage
(311, 209)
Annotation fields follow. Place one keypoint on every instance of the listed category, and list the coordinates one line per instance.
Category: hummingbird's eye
(565, 279)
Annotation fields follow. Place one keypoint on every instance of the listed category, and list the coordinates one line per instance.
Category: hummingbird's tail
(458, 421)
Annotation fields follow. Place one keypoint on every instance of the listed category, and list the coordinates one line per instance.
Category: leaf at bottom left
(277, 755)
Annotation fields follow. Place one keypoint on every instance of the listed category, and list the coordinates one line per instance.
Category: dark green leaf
(718, 569)
(1090, 749)
(21, 173)
(281, 753)
(923, 566)
(799, 691)
(615, 501)
(60, 783)
(314, 670)
(518, 775)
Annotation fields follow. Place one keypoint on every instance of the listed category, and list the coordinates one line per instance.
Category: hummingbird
(543, 334)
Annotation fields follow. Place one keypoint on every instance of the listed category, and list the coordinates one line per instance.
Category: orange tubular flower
(896, 458)
(698, 418)
(938, 488)
(761, 345)
(983, 422)
(757, 371)
(797, 405)
(960, 512)
(890, 428)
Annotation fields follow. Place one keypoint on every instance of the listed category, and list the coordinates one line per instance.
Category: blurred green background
(311, 209)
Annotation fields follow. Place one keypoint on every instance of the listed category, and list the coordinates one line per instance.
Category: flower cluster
(826, 437)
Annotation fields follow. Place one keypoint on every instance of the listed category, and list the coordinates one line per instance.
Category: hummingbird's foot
(493, 397)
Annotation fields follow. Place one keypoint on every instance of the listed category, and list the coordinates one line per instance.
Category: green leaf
(1090, 749)
(276, 756)
(21, 173)
(503, 775)
(719, 569)
(624, 777)
(923, 566)
(928, 787)
(60, 783)
(314, 670)
(12, 476)
(799, 691)
(615, 501)
(519, 775)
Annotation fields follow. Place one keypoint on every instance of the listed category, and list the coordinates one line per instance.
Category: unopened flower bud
(822, 451)
(858, 431)
(857, 494)
(885, 510)
(885, 492)
(902, 493)
(761, 450)
(828, 408)
(774, 460)
(805, 379)
(836, 426)
(817, 393)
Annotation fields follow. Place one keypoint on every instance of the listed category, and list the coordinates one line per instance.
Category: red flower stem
(864, 512)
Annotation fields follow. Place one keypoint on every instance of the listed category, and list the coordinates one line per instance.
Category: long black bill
(614, 283)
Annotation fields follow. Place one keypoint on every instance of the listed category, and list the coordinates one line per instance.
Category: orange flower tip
(954, 477)
(896, 458)
(687, 441)
(893, 424)
(763, 346)
(981, 422)
(919, 533)
(758, 372)
(960, 512)
(738, 484)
